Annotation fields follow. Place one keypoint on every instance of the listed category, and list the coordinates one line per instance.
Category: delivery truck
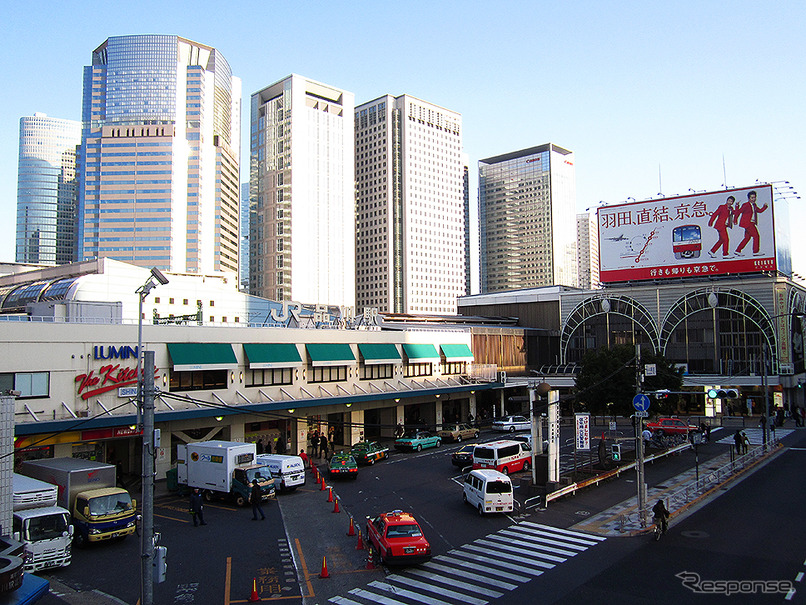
(288, 471)
(42, 527)
(223, 469)
(98, 508)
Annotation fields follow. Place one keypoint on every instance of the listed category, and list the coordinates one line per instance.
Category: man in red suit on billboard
(746, 216)
(722, 220)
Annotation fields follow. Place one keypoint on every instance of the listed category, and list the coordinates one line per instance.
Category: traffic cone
(336, 505)
(330, 494)
(324, 573)
(322, 483)
(370, 559)
(360, 544)
(351, 530)
(254, 596)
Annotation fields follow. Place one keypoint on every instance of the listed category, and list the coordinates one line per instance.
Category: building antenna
(724, 173)
(660, 184)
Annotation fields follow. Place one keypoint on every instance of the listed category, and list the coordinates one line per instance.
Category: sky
(651, 97)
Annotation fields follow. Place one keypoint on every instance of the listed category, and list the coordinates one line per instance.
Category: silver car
(512, 424)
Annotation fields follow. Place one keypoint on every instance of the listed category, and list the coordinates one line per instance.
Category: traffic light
(723, 393)
(615, 452)
(160, 564)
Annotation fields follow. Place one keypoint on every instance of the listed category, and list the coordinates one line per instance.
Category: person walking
(323, 445)
(260, 447)
(197, 507)
(255, 497)
(315, 444)
(280, 446)
(737, 441)
(267, 449)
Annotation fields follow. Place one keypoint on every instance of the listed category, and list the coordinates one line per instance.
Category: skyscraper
(527, 219)
(302, 193)
(47, 190)
(160, 155)
(588, 250)
(410, 187)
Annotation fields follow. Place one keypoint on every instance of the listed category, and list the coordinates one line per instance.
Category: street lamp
(146, 405)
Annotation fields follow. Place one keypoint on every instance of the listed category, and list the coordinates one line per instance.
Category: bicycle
(661, 525)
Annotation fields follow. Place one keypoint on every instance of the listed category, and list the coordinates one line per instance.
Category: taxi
(369, 452)
(342, 464)
(397, 538)
(417, 440)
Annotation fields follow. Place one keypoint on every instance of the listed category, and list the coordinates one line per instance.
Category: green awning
(457, 352)
(332, 354)
(271, 355)
(417, 352)
(187, 356)
(379, 353)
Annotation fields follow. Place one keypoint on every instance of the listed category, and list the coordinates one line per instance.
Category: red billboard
(702, 234)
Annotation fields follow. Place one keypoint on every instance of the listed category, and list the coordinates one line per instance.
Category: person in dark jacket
(323, 445)
(197, 507)
(254, 498)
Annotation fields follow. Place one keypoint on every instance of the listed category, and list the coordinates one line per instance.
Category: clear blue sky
(637, 90)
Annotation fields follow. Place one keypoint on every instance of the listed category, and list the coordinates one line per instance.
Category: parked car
(458, 432)
(417, 440)
(671, 426)
(463, 457)
(512, 424)
(342, 464)
(369, 452)
(398, 538)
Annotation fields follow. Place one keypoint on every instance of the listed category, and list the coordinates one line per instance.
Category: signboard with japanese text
(583, 431)
(716, 233)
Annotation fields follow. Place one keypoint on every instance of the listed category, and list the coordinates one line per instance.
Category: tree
(608, 377)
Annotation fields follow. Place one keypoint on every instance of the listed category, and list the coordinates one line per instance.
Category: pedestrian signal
(615, 452)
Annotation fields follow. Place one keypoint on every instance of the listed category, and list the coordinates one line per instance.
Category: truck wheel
(526, 466)
(481, 511)
(240, 500)
(464, 498)
(207, 495)
(79, 540)
(505, 470)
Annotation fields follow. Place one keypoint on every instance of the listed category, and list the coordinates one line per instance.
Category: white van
(488, 491)
(505, 456)
(288, 471)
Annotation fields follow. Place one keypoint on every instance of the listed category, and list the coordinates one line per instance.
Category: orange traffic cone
(324, 573)
(336, 505)
(360, 544)
(254, 596)
(330, 494)
(322, 483)
(370, 559)
(351, 530)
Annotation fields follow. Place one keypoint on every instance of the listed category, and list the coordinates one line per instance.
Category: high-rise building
(588, 250)
(243, 247)
(410, 214)
(527, 219)
(302, 193)
(47, 190)
(160, 155)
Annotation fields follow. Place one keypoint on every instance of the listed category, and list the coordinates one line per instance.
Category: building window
(268, 377)
(454, 367)
(413, 370)
(29, 384)
(328, 374)
(198, 380)
(377, 371)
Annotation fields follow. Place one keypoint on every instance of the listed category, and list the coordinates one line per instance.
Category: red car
(397, 538)
(671, 426)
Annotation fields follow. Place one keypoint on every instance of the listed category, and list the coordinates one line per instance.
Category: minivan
(504, 456)
(288, 471)
(488, 491)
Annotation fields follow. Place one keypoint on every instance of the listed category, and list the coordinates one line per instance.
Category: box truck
(42, 527)
(223, 469)
(288, 471)
(99, 509)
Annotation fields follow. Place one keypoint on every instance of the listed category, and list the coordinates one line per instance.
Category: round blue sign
(640, 402)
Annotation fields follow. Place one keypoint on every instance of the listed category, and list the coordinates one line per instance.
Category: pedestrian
(399, 430)
(470, 419)
(323, 446)
(197, 507)
(280, 445)
(255, 497)
(315, 444)
(737, 441)
(646, 435)
(260, 447)
(304, 457)
(745, 443)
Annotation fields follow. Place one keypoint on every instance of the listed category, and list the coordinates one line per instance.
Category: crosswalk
(756, 435)
(478, 572)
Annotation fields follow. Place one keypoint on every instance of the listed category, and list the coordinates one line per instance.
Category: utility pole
(639, 445)
(147, 550)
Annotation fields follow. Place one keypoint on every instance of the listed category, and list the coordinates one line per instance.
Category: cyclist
(661, 518)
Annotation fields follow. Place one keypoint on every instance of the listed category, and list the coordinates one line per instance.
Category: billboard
(703, 234)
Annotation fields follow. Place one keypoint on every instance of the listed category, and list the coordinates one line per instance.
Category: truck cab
(242, 483)
(103, 514)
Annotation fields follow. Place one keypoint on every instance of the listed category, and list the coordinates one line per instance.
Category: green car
(417, 440)
(342, 464)
(368, 452)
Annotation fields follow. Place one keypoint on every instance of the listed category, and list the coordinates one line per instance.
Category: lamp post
(145, 404)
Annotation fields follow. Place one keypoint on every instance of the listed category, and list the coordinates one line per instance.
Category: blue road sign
(640, 402)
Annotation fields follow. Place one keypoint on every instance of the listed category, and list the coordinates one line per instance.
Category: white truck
(99, 509)
(223, 469)
(42, 527)
(288, 471)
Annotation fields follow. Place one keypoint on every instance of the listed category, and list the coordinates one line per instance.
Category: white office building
(588, 250)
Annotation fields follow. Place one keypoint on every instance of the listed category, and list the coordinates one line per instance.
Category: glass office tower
(160, 155)
(47, 190)
(527, 219)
